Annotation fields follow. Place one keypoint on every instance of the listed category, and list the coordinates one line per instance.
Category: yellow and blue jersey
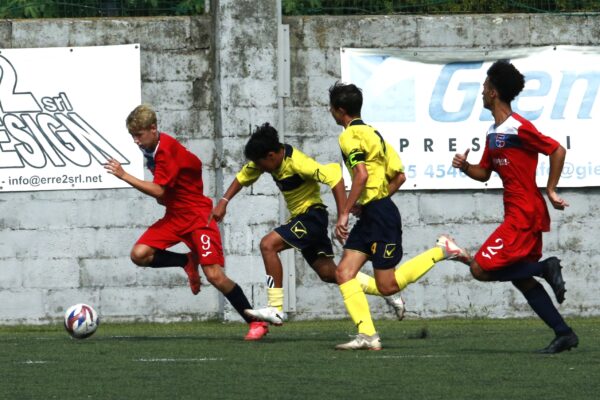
(362, 144)
(298, 178)
(393, 163)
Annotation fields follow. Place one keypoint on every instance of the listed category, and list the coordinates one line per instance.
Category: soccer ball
(81, 321)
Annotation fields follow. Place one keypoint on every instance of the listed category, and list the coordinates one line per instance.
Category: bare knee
(325, 268)
(268, 245)
(479, 273)
(387, 289)
(343, 275)
(141, 255)
(216, 276)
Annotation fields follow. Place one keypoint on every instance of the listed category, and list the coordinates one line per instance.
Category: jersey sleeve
(308, 168)
(352, 148)
(166, 169)
(248, 174)
(393, 163)
(533, 139)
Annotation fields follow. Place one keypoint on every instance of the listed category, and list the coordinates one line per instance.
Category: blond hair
(142, 117)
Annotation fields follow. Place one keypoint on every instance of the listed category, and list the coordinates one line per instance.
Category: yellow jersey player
(377, 236)
(298, 177)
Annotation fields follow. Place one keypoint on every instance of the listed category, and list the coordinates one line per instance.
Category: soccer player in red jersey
(513, 251)
(178, 185)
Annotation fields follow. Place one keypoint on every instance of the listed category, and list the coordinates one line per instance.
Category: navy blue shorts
(308, 233)
(378, 234)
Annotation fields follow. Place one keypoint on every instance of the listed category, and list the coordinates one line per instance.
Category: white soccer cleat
(397, 303)
(267, 314)
(361, 342)
(452, 251)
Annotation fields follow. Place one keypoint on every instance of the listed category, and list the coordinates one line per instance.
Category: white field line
(176, 360)
(33, 362)
(416, 356)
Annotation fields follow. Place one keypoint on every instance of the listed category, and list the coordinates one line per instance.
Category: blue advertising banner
(428, 104)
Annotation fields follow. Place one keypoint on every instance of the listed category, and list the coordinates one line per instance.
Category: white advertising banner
(428, 105)
(62, 115)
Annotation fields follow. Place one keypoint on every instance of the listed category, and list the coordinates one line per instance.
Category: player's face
(487, 94)
(268, 164)
(147, 139)
(337, 114)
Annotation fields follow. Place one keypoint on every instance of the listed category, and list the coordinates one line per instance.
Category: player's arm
(150, 188)
(218, 213)
(473, 171)
(395, 183)
(246, 177)
(557, 161)
(339, 195)
(394, 170)
(359, 181)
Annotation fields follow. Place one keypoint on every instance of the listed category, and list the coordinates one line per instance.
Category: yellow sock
(275, 298)
(418, 266)
(357, 306)
(367, 283)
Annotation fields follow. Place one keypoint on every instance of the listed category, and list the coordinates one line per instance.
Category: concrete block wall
(212, 79)
(468, 215)
(59, 248)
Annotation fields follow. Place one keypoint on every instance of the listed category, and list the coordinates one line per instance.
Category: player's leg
(356, 302)
(413, 269)
(325, 267)
(270, 246)
(236, 297)
(540, 302)
(206, 243)
(150, 250)
(511, 255)
(306, 232)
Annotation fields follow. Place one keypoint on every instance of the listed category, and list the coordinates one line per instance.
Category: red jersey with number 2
(512, 150)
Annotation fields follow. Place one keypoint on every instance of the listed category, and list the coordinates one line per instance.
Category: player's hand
(341, 228)
(114, 167)
(218, 213)
(557, 202)
(460, 160)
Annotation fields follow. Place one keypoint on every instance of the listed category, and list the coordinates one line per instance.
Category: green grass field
(421, 359)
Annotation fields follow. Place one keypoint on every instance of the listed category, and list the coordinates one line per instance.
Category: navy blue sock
(540, 302)
(518, 271)
(239, 301)
(165, 258)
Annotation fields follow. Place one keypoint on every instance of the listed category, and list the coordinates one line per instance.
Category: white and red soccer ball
(81, 321)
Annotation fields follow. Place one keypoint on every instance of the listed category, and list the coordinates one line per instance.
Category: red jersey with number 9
(179, 171)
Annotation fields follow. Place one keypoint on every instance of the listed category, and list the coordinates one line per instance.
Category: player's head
(141, 124)
(345, 102)
(504, 81)
(264, 148)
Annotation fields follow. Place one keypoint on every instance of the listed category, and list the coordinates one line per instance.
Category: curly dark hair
(347, 96)
(264, 140)
(506, 79)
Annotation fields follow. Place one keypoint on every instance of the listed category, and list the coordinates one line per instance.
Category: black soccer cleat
(551, 272)
(561, 343)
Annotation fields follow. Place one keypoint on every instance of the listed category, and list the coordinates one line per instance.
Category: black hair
(506, 79)
(264, 140)
(347, 96)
